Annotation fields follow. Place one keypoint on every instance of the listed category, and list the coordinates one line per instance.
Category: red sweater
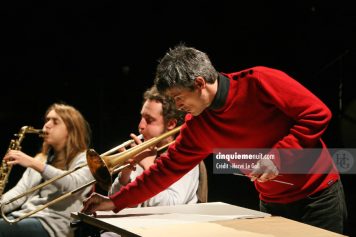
(256, 108)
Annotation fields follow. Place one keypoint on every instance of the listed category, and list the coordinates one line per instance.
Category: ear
(200, 83)
(172, 123)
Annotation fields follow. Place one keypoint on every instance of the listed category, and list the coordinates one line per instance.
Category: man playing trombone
(67, 137)
(158, 115)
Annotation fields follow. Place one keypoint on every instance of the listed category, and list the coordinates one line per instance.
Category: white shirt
(184, 191)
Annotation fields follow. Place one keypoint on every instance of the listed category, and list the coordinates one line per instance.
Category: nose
(47, 125)
(181, 107)
(142, 125)
(179, 104)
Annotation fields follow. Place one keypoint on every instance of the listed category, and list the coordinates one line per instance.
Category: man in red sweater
(255, 108)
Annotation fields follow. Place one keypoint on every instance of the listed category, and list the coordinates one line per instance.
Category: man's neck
(165, 141)
(212, 90)
(219, 92)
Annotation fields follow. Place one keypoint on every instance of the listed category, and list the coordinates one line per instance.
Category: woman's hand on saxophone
(17, 157)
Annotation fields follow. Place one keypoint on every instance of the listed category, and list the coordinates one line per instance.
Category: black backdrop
(101, 56)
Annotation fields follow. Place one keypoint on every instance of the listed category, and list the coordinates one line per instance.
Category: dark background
(101, 56)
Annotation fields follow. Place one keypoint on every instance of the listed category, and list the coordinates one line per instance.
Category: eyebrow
(173, 94)
(147, 115)
(52, 117)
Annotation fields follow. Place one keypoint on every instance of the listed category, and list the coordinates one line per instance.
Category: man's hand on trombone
(145, 158)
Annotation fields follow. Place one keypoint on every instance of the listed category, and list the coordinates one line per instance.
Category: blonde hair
(78, 131)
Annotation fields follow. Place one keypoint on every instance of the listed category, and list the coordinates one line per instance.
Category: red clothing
(255, 108)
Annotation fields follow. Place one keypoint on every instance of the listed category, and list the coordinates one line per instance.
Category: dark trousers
(325, 209)
(28, 227)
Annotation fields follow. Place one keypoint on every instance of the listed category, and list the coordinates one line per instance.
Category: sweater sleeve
(309, 114)
(29, 179)
(71, 181)
(181, 157)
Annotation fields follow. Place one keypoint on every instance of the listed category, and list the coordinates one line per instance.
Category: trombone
(101, 166)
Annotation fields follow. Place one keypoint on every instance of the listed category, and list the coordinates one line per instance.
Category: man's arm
(310, 115)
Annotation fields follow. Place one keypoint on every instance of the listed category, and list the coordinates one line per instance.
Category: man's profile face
(190, 101)
(152, 122)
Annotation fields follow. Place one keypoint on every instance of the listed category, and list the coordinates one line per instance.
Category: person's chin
(195, 113)
(146, 137)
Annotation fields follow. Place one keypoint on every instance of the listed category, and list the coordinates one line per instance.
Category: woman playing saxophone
(65, 141)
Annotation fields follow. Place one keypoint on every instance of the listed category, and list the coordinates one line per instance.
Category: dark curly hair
(169, 110)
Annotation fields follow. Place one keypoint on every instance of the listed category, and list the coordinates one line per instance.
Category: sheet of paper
(154, 220)
(197, 229)
(211, 208)
(135, 218)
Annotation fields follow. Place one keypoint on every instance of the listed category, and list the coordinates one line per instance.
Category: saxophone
(15, 144)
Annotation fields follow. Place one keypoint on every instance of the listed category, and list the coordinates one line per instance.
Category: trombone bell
(99, 169)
